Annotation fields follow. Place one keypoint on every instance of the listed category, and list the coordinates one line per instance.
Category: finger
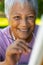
(14, 51)
(23, 42)
(17, 54)
(24, 48)
(15, 57)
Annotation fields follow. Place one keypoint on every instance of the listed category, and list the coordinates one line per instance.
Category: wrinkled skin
(22, 23)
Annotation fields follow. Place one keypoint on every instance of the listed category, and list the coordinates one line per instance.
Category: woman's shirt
(6, 40)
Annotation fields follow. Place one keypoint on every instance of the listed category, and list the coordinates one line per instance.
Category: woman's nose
(24, 23)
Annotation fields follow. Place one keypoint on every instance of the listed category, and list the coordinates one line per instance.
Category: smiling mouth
(24, 30)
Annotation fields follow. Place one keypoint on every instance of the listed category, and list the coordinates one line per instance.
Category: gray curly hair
(9, 4)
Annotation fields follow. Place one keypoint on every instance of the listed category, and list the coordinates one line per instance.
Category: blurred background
(4, 21)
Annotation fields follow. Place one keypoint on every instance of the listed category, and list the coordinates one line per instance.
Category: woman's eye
(30, 18)
(17, 18)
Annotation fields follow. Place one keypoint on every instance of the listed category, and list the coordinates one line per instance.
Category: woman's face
(22, 20)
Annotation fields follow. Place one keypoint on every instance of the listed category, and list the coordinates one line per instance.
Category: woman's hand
(14, 51)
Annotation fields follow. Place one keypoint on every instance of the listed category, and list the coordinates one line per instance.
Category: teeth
(24, 30)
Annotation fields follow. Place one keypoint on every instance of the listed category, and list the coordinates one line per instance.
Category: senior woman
(17, 39)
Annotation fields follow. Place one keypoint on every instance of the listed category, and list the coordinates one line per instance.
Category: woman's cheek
(14, 23)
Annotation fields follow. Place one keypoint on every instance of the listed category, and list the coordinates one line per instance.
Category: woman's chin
(23, 37)
(26, 37)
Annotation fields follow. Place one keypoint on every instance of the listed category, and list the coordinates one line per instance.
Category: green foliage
(40, 7)
(2, 5)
